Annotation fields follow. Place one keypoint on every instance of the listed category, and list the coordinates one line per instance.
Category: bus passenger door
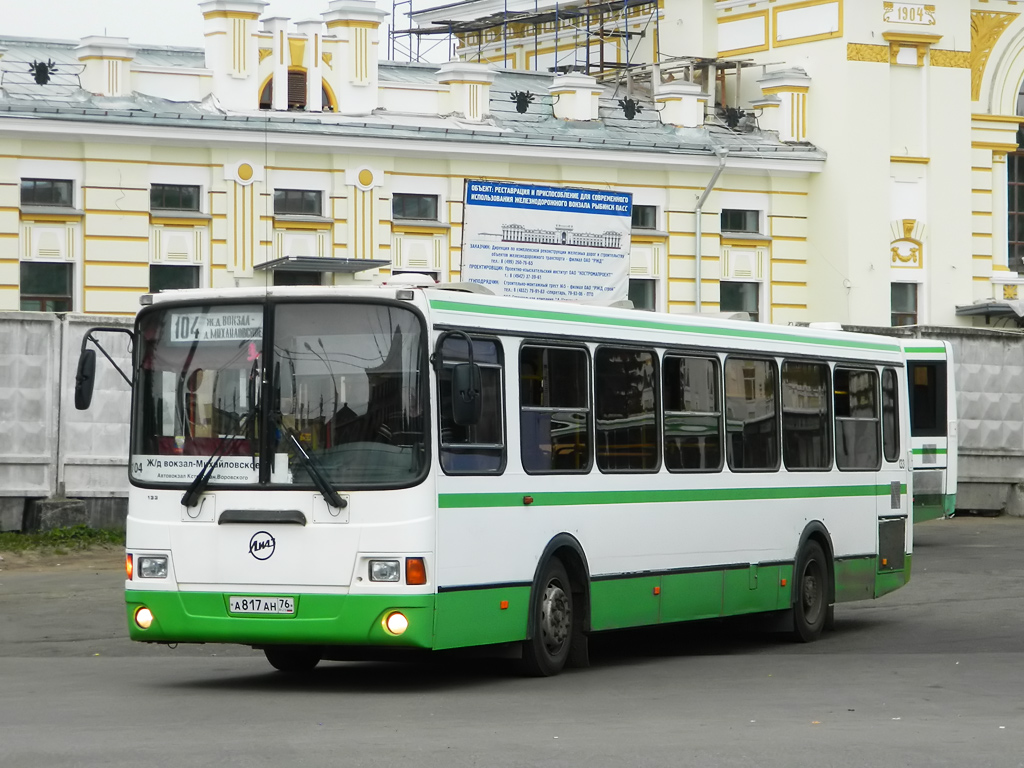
(932, 427)
(893, 508)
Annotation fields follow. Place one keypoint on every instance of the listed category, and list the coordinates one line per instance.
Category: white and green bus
(324, 473)
(933, 427)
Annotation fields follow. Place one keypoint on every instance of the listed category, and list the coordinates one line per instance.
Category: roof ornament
(41, 71)
(523, 100)
(630, 107)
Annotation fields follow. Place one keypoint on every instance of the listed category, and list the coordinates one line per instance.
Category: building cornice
(445, 146)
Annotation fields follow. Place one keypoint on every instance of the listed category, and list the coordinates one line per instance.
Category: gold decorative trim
(297, 51)
(353, 24)
(910, 38)
(994, 146)
(878, 54)
(231, 15)
(940, 57)
(327, 58)
(264, 53)
(172, 221)
(909, 159)
(997, 118)
(986, 29)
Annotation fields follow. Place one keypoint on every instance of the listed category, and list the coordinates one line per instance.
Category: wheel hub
(555, 617)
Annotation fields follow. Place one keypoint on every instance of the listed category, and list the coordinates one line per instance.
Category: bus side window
(806, 426)
(693, 414)
(626, 397)
(478, 448)
(890, 416)
(554, 409)
(857, 423)
(751, 414)
(927, 399)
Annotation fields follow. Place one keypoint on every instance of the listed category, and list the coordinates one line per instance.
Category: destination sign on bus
(219, 325)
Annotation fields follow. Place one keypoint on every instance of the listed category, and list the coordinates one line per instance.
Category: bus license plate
(251, 604)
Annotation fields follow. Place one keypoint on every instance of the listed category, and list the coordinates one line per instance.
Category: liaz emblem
(262, 545)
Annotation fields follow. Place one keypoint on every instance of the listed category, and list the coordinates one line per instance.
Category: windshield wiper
(315, 473)
(199, 483)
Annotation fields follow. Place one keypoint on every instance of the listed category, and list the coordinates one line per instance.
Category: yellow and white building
(803, 161)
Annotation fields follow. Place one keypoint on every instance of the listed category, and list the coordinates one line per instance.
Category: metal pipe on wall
(698, 210)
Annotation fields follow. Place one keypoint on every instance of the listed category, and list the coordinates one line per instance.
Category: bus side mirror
(467, 403)
(85, 378)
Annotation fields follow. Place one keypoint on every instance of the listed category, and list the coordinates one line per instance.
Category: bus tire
(547, 650)
(812, 587)
(293, 659)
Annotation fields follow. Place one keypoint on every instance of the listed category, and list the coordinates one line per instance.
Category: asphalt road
(929, 676)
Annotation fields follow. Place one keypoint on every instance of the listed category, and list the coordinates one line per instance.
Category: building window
(645, 217)
(737, 220)
(1015, 209)
(46, 287)
(297, 277)
(409, 206)
(174, 197)
(163, 277)
(296, 94)
(740, 297)
(298, 202)
(641, 293)
(904, 304)
(46, 192)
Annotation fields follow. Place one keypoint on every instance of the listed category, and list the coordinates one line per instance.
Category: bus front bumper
(358, 620)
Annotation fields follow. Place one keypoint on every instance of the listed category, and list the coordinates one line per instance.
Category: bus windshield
(343, 383)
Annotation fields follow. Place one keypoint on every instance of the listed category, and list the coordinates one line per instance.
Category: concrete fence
(51, 451)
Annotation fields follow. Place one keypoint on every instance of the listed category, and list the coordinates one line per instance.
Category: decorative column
(682, 104)
(576, 97)
(352, 73)
(232, 50)
(277, 28)
(312, 30)
(791, 87)
(107, 65)
(469, 89)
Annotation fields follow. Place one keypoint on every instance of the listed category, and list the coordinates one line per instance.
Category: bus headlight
(384, 570)
(152, 566)
(144, 617)
(395, 623)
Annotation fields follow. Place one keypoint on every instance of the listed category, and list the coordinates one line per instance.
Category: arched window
(296, 93)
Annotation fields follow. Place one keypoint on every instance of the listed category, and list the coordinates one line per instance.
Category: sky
(149, 22)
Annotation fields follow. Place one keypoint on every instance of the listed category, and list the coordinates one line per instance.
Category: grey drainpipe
(721, 153)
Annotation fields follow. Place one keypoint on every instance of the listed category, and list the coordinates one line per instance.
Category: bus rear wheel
(293, 659)
(545, 653)
(812, 585)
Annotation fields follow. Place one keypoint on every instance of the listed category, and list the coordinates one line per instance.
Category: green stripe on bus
(929, 451)
(567, 498)
(924, 350)
(656, 325)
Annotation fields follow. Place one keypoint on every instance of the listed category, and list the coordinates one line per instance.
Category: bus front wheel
(545, 653)
(812, 586)
(293, 659)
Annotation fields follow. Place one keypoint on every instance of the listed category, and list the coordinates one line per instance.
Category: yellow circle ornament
(366, 177)
(245, 172)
